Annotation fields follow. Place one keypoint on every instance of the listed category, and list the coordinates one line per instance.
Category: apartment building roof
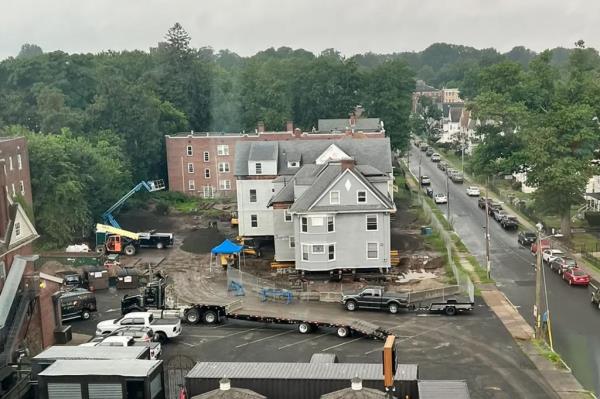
(340, 125)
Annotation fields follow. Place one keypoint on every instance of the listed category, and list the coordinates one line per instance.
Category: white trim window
(361, 197)
(292, 241)
(208, 191)
(305, 251)
(258, 168)
(317, 249)
(191, 185)
(253, 197)
(223, 167)
(372, 223)
(190, 167)
(22, 187)
(206, 156)
(334, 197)
(222, 149)
(304, 224)
(207, 173)
(330, 224)
(372, 250)
(19, 161)
(253, 220)
(189, 151)
(17, 229)
(331, 252)
(224, 184)
(287, 217)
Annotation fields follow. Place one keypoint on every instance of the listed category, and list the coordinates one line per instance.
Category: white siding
(268, 168)
(264, 192)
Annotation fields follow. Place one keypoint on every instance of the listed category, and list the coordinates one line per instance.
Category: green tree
(29, 51)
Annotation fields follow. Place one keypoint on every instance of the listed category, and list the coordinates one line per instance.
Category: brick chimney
(352, 120)
(347, 164)
(261, 127)
(289, 126)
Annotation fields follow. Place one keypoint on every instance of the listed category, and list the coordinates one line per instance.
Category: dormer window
(258, 168)
(17, 229)
(293, 164)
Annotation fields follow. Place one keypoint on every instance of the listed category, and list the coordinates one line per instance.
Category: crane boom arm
(102, 228)
(150, 185)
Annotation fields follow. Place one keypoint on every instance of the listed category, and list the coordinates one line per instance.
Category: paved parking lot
(473, 347)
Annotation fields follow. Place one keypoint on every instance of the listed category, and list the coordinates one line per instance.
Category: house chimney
(347, 164)
(297, 132)
(261, 127)
(352, 120)
(289, 126)
(356, 384)
(224, 384)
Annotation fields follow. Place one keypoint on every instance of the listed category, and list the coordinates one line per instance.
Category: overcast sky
(248, 26)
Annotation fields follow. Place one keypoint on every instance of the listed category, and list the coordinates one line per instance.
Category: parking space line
(343, 343)
(241, 332)
(265, 338)
(409, 338)
(207, 336)
(304, 340)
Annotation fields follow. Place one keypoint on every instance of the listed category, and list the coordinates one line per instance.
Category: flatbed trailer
(449, 307)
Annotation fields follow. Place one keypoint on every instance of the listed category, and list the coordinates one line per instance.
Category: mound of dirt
(201, 241)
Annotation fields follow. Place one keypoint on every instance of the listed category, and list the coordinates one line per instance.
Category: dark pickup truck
(509, 222)
(595, 289)
(375, 298)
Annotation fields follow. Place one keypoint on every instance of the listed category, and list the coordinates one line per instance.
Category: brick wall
(16, 166)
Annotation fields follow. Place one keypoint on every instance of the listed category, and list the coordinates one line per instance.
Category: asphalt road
(576, 324)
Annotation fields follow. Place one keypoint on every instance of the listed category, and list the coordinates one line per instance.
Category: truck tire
(129, 250)
(351, 305)
(210, 317)
(192, 316)
(450, 310)
(161, 337)
(100, 249)
(85, 314)
(160, 245)
(393, 308)
(343, 332)
(304, 328)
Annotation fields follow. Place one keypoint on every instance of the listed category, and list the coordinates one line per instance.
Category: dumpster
(128, 277)
(426, 230)
(96, 277)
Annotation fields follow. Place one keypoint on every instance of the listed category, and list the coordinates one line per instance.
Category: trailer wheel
(343, 332)
(192, 316)
(160, 245)
(85, 314)
(129, 250)
(100, 249)
(210, 317)
(161, 337)
(351, 305)
(304, 328)
(393, 308)
(450, 310)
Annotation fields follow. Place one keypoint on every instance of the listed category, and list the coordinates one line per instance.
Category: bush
(593, 218)
(162, 208)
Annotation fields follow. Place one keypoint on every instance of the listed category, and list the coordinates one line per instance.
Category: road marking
(265, 338)
(304, 340)
(219, 326)
(409, 338)
(185, 343)
(206, 336)
(241, 332)
(343, 343)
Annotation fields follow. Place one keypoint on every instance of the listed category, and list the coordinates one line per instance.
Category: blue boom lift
(150, 185)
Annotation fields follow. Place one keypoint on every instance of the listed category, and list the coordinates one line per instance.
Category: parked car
(442, 165)
(481, 202)
(77, 303)
(576, 276)
(498, 214)
(425, 180)
(548, 255)
(440, 198)
(545, 244)
(493, 207)
(423, 147)
(429, 151)
(473, 191)
(375, 298)
(428, 191)
(435, 157)
(457, 178)
(509, 222)
(163, 328)
(595, 295)
(526, 238)
(71, 279)
(451, 171)
(562, 264)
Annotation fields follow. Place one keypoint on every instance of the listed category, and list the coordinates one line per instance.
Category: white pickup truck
(163, 328)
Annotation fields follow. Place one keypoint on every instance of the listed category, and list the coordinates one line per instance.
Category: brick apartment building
(13, 151)
(202, 163)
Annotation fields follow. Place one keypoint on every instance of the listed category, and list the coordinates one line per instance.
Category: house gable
(346, 188)
(20, 229)
(332, 153)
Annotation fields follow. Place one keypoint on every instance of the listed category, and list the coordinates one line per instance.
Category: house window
(190, 167)
(372, 222)
(17, 229)
(254, 220)
(19, 162)
(258, 168)
(208, 191)
(331, 252)
(330, 224)
(206, 156)
(292, 241)
(190, 151)
(207, 173)
(22, 186)
(318, 249)
(191, 185)
(305, 249)
(361, 196)
(286, 216)
(304, 224)
(10, 163)
(252, 195)
(372, 250)
(223, 167)
(224, 185)
(334, 198)
(223, 149)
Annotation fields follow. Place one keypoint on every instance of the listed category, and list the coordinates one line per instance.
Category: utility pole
(537, 312)
(488, 261)
(447, 199)
(420, 159)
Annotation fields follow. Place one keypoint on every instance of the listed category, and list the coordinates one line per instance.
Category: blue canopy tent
(227, 247)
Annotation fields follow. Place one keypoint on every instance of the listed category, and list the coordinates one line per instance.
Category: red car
(576, 276)
(545, 245)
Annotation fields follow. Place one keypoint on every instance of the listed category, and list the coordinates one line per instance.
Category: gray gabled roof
(129, 368)
(435, 389)
(232, 393)
(349, 393)
(10, 288)
(318, 186)
(286, 194)
(340, 125)
(365, 151)
(263, 151)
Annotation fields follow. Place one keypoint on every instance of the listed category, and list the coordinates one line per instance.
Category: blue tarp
(227, 247)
